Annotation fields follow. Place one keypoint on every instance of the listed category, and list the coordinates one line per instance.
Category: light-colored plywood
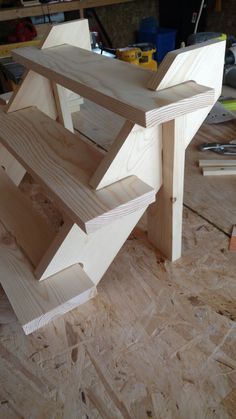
(114, 84)
(34, 90)
(74, 33)
(167, 235)
(202, 63)
(35, 303)
(95, 252)
(56, 161)
(136, 151)
(32, 233)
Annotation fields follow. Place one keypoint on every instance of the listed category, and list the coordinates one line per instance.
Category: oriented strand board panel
(63, 164)
(114, 84)
(158, 340)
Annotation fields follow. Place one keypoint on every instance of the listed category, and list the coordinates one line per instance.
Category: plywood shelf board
(37, 303)
(115, 85)
(64, 165)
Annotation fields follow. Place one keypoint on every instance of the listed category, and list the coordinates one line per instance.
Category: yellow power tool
(137, 54)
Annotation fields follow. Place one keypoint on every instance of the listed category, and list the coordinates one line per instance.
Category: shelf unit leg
(165, 215)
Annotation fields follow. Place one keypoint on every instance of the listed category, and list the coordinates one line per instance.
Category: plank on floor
(212, 197)
(114, 84)
(63, 164)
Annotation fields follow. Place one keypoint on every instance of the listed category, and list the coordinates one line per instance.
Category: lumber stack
(102, 195)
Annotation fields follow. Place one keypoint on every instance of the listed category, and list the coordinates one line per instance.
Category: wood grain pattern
(36, 90)
(114, 84)
(32, 233)
(63, 164)
(167, 234)
(95, 252)
(136, 151)
(89, 121)
(37, 303)
(202, 63)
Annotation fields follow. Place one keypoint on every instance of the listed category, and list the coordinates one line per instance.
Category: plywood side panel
(136, 151)
(94, 252)
(75, 32)
(203, 63)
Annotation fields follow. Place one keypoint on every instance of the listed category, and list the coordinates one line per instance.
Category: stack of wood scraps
(218, 167)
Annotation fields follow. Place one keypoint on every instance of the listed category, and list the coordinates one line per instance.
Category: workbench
(46, 9)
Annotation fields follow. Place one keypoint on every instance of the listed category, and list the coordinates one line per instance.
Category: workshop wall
(224, 20)
(122, 20)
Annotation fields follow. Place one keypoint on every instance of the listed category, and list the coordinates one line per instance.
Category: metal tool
(226, 149)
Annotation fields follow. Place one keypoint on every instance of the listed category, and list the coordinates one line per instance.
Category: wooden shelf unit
(102, 195)
(38, 10)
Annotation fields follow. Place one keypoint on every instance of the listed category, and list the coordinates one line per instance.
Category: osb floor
(158, 341)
